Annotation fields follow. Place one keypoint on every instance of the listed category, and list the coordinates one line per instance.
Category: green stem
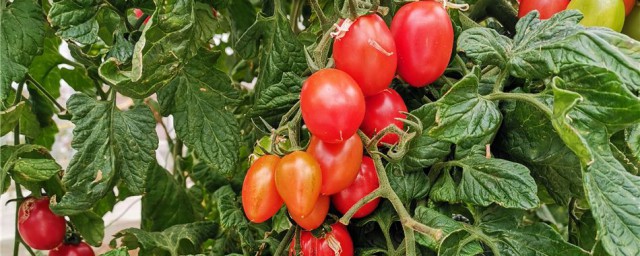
(296, 7)
(497, 87)
(525, 97)
(504, 12)
(353, 12)
(285, 242)
(365, 200)
(318, 10)
(462, 64)
(42, 90)
(18, 98)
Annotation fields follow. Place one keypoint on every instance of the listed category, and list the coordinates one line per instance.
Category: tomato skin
(374, 74)
(339, 162)
(38, 226)
(600, 13)
(365, 183)
(547, 8)
(424, 40)
(139, 14)
(316, 217)
(260, 198)
(81, 249)
(298, 180)
(632, 24)
(312, 246)
(381, 111)
(332, 105)
(628, 6)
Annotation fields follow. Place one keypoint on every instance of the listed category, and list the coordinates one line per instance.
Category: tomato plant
(547, 8)
(414, 127)
(38, 226)
(365, 183)
(334, 242)
(80, 249)
(422, 31)
(260, 198)
(381, 111)
(332, 105)
(368, 38)
(608, 13)
(339, 162)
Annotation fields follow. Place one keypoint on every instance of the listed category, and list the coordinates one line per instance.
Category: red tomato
(38, 226)
(547, 8)
(365, 183)
(381, 111)
(424, 39)
(81, 249)
(316, 217)
(332, 105)
(298, 180)
(335, 243)
(367, 53)
(628, 6)
(339, 162)
(260, 198)
(139, 14)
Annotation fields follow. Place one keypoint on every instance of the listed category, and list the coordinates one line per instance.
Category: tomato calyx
(450, 5)
(73, 239)
(341, 28)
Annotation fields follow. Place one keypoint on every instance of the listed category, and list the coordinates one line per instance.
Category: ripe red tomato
(335, 243)
(81, 249)
(260, 198)
(38, 226)
(298, 180)
(367, 53)
(424, 39)
(339, 162)
(547, 8)
(381, 111)
(332, 105)
(365, 183)
(316, 217)
(628, 6)
(139, 14)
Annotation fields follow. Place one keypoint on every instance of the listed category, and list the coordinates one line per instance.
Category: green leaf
(408, 186)
(121, 251)
(231, 214)
(12, 154)
(584, 232)
(384, 215)
(165, 202)
(90, 226)
(464, 115)
(434, 219)
(485, 181)
(179, 239)
(122, 49)
(425, 150)
(172, 36)
(527, 137)
(21, 37)
(281, 63)
(76, 20)
(10, 117)
(485, 46)
(198, 98)
(460, 243)
(212, 179)
(34, 170)
(112, 144)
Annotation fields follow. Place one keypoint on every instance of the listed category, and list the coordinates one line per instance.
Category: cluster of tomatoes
(600, 13)
(335, 103)
(41, 229)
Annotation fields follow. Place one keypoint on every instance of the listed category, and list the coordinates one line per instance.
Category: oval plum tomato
(336, 242)
(600, 13)
(381, 110)
(339, 162)
(139, 14)
(298, 180)
(316, 217)
(38, 226)
(424, 40)
(367, 53)
(547, 8)
(260, 198)
(365, 183)
(81, 249)
(632, 24)
(628, 6)
(332, 105)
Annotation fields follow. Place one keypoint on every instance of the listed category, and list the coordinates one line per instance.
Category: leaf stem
(18, 98)
(462, 64)
(497, 87)
(525, 97)
(318, 10)
(365, 200)
(285, 242)
(296, 7)
(353, 12)
(42, 90)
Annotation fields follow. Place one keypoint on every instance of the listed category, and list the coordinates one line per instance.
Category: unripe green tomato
(600, 13)
(632, 24)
